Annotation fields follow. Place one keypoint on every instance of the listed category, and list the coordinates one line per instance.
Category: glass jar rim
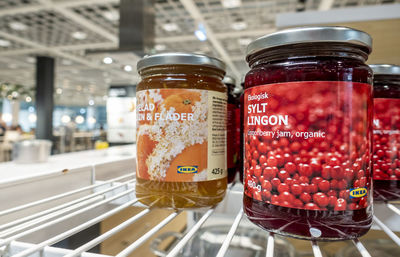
(229, 80)
(179, 58)
(301, 35)
(385, 69)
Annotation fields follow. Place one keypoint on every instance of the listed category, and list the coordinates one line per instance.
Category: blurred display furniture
(71, 142)
(6, 143)
(9, 138)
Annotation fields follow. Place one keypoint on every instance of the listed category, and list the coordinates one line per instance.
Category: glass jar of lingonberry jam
(307, 133)
(386, 132)
(181, 131)
(232, 142)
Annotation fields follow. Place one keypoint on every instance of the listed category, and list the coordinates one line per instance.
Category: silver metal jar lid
(179, 59)
(385, 69)
(229, 80)
(310, 35)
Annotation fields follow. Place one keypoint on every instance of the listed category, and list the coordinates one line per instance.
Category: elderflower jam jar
(386, 138)
(181, 131)
(307, 133)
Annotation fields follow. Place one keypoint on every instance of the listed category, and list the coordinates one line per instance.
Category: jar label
(307, 144)
(386, 140)
(181, 135)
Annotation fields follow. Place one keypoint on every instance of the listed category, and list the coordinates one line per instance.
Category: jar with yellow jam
(181, 131)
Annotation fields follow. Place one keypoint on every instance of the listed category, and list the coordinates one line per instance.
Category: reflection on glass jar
(386, 138)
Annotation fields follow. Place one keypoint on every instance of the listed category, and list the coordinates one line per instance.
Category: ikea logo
(358, 192)
(187, 169)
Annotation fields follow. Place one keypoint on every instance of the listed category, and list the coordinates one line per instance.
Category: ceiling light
(15, 94)
(6, 117)
(200, 33)
(127, 68)
(79, 119)
(244, 41)
(91, 102)
(239, 25)
(28, 99)
(160, 47)
(82, 111)
(59, 91)
(170, 27)
(79, 35)
(91, 120)
(4, 43)
(65, 119)
(32, 117)
(108, 60)
(16, 25)
(31, 109)
(231, 3)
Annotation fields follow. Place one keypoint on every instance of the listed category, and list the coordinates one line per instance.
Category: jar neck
(307, 51)
(182, 71)
(392, 80)
(387, 86)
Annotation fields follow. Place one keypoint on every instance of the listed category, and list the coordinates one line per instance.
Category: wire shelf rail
(15, 230)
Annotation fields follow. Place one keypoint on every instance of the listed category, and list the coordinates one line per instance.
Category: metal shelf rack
(120, 192)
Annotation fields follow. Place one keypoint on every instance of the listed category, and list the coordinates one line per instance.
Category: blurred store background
(68, 67)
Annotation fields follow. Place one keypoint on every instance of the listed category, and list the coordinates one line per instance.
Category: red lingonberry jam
(232, 141)
(241, 110)
(307, 133)
(386, 138)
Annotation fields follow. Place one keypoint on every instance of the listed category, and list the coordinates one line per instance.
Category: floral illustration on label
(172, 135)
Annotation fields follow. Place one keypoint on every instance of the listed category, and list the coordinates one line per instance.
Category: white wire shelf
(120, 192)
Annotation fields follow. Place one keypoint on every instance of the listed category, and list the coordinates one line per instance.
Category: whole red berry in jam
(341, 205)
(324, 185)
(286, 197)
(255, 155)
(257, 171)
(332, 201)
(311, 206)
(305, 197)
(326, 172)
(263, 160)
(262, 147)
(321, 199)
(283, 188)
(290, 167)
(269, 173)
(296, 189)
(266, 185)
(305, 170)
(272, 162)
(303, 179)
(289, 181)
(257, 195)
(275, 183)
(266, 195)
(283, 175)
